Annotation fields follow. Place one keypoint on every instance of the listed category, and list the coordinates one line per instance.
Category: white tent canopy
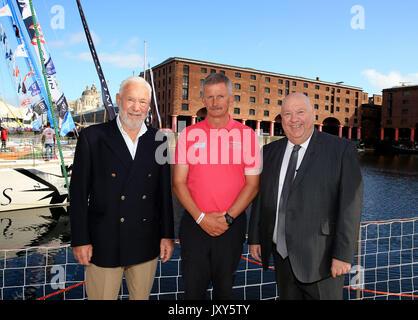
(9, 112)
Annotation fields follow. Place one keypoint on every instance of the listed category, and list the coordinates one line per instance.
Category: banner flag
(34, 89)
(56, 95)
(20, 51)
(67, 125)
(50, 68)
(30, 60)
(62, 107)
(107, 100)
(37, 124)
(40, 107)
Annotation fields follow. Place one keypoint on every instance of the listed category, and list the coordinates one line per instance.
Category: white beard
(133, 125)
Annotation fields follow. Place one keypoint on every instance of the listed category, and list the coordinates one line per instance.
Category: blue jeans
(49, 151)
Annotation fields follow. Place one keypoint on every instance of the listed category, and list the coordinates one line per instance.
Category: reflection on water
(390, 186)
(34, 227)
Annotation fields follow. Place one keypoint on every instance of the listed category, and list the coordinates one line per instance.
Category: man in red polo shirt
(215, 178)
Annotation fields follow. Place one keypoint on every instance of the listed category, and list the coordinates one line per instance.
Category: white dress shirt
(132, 146)
(283, 169)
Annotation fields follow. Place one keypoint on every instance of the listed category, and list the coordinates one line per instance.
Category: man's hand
(83, 254)
(339, 268)
(166, 249)
(255, 250)
(214, 223)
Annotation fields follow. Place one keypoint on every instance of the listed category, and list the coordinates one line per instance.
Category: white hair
(138, 80)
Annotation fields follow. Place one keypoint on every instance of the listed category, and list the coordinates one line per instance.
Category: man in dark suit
(308, 209)
(120, 200)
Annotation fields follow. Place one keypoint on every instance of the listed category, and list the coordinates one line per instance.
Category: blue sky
(302, 38)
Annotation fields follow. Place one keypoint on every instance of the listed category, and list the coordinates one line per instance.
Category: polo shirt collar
(229, 126)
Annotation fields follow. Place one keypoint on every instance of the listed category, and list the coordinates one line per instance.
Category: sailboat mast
(145, 60)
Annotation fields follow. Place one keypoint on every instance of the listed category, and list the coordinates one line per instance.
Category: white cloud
(118, 59)
(132, 43)
(122, 60)
(74, 39)
(81, 37)
(382, 81)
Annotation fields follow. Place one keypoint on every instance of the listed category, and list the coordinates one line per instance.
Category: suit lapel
(117, 144)
(309, 156)
(277, 161)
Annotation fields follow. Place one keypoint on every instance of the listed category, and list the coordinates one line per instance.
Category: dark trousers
(290, 288)
(207, 259)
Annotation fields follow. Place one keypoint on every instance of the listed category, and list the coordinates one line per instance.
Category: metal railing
(386, 267)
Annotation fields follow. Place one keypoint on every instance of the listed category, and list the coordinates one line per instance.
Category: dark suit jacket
(122, 207)
(323, 210)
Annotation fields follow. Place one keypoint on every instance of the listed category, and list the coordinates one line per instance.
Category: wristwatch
(229, 219)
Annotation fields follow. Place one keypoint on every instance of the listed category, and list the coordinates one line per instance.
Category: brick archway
(331, 125)
(201, 114)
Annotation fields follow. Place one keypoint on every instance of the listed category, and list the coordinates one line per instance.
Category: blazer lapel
(117, 144)
(143, 150)
(309, 156)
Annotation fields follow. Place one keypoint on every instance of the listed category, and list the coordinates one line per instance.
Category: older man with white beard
(120, 200)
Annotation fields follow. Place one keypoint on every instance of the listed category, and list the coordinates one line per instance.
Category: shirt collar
(140, 132)
(228, 126)
(303, 145)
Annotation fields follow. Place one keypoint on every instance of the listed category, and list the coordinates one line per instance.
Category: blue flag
(67, 125)
(50, 68)
(34, 88)
(37, 124)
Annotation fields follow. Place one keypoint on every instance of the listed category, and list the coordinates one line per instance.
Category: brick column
(271, 128)
(194, 119)
(340, 131)
(382, 134)
(258, 127)
(243, 121)
(359, 133)
(174, 123)
(396, 134)
(412, 134)
(320, 127)
(349, 132)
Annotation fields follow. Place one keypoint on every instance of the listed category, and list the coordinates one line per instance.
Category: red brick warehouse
(400, 113)
(258, 96)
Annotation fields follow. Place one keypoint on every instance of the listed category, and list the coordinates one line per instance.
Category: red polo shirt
(218, 159)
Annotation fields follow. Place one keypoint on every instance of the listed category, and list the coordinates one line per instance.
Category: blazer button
(123, 198)
(113, 175)
(149, 175)
(122, 220)
(144, 197)
(144, 219)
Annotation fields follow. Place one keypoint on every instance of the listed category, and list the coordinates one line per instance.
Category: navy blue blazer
(122, 207)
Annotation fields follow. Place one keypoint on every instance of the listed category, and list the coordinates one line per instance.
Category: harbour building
(258, 97)
(400, 113)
